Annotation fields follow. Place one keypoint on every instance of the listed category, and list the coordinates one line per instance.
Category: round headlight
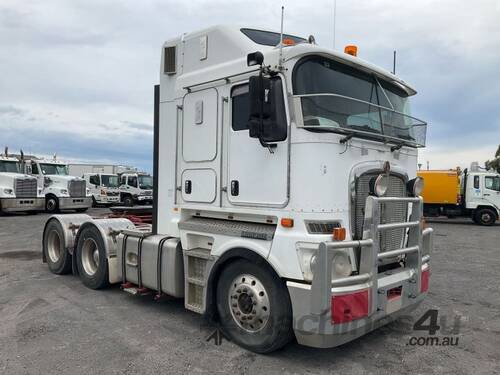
(341, 265)
(379, 184)
(416, 186)
(8, 191)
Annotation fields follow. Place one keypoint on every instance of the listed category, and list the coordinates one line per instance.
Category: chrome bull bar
(418, 241)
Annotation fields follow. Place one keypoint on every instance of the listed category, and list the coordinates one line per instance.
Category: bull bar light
(415, 186)
(379, 185)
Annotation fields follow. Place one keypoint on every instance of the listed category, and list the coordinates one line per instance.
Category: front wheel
(254, 307)
(91, 258)
(128, 201)
(51, 204)
(486, 216)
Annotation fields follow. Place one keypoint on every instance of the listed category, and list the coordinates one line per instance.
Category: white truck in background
(18, 191)
(104, 188)
(60, 190)
(286, 200)
(136, 188)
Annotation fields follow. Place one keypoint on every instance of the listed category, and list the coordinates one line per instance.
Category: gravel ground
(54, 325)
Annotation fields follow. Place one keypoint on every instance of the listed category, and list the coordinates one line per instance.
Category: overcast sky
(77, 76)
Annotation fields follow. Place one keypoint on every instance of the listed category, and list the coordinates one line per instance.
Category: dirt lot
(54, 325)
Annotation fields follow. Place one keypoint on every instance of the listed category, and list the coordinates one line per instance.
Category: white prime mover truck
(286, 200)
(60, 190)
(18, 191)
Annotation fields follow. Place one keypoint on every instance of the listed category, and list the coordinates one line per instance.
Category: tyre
(91, 258)
(254, 307)
(128, 201)
(94, 202)
(486, 216)
(57, 256)
(51, 204)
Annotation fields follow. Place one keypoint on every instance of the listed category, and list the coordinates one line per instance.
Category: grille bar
(390, 211)
(25, 187)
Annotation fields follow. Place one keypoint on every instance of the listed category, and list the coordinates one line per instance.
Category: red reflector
(424, 281)
(349, 307)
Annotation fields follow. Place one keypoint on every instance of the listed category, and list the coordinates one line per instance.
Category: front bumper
(389, 295)
(144, 198)
(71, 203)
(22, 204)
(108, 199)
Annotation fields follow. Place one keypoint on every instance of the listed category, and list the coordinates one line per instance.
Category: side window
(123, 180)
(476, 182)
(241, 107)
(34, 169)
(94, 180)
(492, 183)
(132, 181)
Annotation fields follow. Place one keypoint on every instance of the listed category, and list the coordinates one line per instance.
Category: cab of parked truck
(136, 188)
(104, 188)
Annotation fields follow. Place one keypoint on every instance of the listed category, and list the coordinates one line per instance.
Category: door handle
(235, 187)
(187, 186)
(486, 195)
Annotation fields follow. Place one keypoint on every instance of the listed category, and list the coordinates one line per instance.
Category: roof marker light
(351, 50)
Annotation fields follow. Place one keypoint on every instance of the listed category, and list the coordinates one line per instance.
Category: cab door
(491, 191)
(256, 175)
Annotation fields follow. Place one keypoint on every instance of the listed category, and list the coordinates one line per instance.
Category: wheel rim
(249, 303)
(90, 256)
(54, 246)
(51, 204)
(485, 217)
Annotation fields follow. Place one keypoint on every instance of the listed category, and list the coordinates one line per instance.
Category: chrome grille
(76, 188)
(389, 212)
(25, 187)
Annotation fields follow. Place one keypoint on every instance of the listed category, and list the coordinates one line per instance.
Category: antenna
(394, 63)
(334, 21)
(281, 37)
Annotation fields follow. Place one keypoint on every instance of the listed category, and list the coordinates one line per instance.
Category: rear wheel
(57, 256)
(91, 258)
(486, 216)
(254, 307)
(51, 204)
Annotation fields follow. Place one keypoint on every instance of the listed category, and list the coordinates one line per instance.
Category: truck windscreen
(109, 180)
(145, 182)
(9, 166)
(55, 169)
(339, 97)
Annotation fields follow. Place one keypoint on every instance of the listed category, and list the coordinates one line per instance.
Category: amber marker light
(287, 222)
(339, 234)
(351, 50)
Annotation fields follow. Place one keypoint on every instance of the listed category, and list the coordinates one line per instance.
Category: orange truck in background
(451, 193)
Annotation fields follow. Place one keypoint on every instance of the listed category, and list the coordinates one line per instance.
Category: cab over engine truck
(60, 190)
(474, 193)
(286, 200)
(18, 191)
(104, 188)
(136, 188)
